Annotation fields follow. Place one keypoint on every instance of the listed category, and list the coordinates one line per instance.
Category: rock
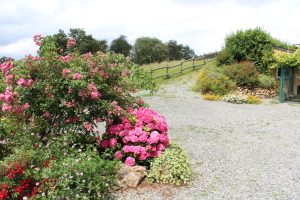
(130, 177)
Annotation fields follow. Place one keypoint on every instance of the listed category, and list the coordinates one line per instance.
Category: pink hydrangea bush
(138, 137)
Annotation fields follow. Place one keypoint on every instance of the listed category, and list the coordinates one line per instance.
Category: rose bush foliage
(68, 93)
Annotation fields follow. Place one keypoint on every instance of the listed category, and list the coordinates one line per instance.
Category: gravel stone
(236, 151)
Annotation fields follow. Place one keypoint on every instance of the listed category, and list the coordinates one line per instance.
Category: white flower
(25, 198)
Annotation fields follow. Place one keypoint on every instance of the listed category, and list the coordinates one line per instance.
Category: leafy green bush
(243, 73)
(212, 80)
(252, 45)
(266, 81)
(147, 50)
(224, 58)
(66, 167)
(171, 166)
(80, 176)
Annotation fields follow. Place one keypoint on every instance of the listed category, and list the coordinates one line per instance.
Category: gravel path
(236, 151)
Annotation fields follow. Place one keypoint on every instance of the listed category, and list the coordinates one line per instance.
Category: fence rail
(168, 74)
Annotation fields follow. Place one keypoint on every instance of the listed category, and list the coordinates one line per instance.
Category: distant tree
(61, 39)
(148, 50)
(120, 45)
(4, 59)
(174, 50)
(84, 43)
(187, 52)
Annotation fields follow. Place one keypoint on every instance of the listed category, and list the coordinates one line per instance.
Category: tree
(174, 50)
(4, 59)
(120, 45)
(187, 52)
(84, 43)
(148, 50)
(61, 40)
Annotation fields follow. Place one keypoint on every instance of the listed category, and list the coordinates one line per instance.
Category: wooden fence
(168, 74)
(205, 58)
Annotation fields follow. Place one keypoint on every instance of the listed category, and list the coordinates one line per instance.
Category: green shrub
(253, 100)
(224, 58)
(171, 167)
(243, 73)
(266, 81)
(80, 176)
(252, 45)
(212, 80)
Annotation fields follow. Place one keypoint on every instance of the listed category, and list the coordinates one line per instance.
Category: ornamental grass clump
(171, 167)
(136, 138)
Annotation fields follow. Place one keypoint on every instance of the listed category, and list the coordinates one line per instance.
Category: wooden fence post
(181, 68)
(167, 72)
(204, 61)
(193, 64)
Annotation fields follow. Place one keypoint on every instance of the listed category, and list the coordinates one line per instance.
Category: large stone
(130, 177)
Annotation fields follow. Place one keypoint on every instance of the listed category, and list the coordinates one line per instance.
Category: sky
(201, 24)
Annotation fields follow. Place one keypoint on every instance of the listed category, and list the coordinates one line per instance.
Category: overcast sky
(201, 24)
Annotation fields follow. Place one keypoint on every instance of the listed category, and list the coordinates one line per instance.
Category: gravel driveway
(236, 151)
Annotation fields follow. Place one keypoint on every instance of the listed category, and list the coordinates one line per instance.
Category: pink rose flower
(71, 42)
(21, 81)
(88, 126)
(29, 82)
(130, 161)
(25, 106)
(47, 115)
(119, 155)
(77, 76)
(112, 142)
(95, 95)
(9, 79)
(65, 72)
(104, 144)
(6, 107)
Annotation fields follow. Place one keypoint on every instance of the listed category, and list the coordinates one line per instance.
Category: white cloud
(19, 48)
(200, 24)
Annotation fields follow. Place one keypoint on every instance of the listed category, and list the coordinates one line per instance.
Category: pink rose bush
(138, 137)
(69, 92)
